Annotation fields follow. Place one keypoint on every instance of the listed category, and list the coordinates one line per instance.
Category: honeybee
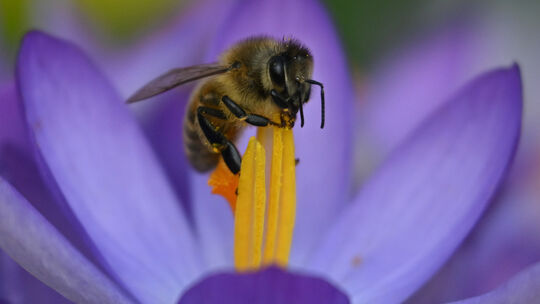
(256, 82)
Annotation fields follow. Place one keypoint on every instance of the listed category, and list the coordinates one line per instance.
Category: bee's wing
(176, 77)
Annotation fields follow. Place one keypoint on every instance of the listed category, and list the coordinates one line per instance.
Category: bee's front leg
(252, 119)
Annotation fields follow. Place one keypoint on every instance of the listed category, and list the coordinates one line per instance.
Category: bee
(259, 81)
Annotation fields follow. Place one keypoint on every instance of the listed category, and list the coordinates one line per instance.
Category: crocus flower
(118, 234)
(505, 242)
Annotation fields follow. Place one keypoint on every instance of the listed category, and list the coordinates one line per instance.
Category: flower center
(258, 222)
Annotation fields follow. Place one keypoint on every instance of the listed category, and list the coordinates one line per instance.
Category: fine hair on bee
(259, 81)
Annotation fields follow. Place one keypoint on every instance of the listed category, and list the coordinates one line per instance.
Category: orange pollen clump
(224, 183)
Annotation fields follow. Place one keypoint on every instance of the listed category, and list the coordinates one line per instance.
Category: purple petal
(12, 128)
(215, 221)
(507, 239)
(19, 167)
(413, 82)
(415, 211)
(179, 44)
(504, 242)
(324, 154)
(19, 286)
(269, 286)
(36, 245)
(105, 169)
(523, 288)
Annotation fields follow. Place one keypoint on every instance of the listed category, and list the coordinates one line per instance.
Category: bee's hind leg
(252, 119)
(230, 154)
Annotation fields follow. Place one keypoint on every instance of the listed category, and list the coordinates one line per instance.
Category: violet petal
(215, 225)
(19, 286)
(506, 240)
(324, 154)
(12, 130)
(268, 286)
(177, 45)
(414, 212)
(19, 167)
(162, 121)
(503, 243)
(415, 81)
(36, 245)
(105, 169)
(523, 288)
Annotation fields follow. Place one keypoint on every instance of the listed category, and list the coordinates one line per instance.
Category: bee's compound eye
(277, 70)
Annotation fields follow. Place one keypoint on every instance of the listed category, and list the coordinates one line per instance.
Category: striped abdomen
(197, 148)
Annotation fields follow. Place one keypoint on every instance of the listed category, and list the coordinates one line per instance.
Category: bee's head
(290, 73)
(289, 70)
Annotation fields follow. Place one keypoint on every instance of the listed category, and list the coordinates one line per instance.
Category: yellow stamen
(287, 203)
(250, 208)
(274, 199)
(251, 201)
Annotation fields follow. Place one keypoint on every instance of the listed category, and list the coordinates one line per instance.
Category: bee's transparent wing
(176, 77)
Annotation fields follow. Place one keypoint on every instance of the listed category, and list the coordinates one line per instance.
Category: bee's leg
(217, 113)
(252, 119)
(230, 154)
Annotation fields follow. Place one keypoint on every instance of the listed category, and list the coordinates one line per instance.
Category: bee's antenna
(311, 81)
(301, 115)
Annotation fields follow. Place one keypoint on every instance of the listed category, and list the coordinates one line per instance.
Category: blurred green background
(367, 27)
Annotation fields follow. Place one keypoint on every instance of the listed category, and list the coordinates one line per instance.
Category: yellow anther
(249, 227)
(281, 199)
(250, 208)
(287, 202)
(274, 198)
